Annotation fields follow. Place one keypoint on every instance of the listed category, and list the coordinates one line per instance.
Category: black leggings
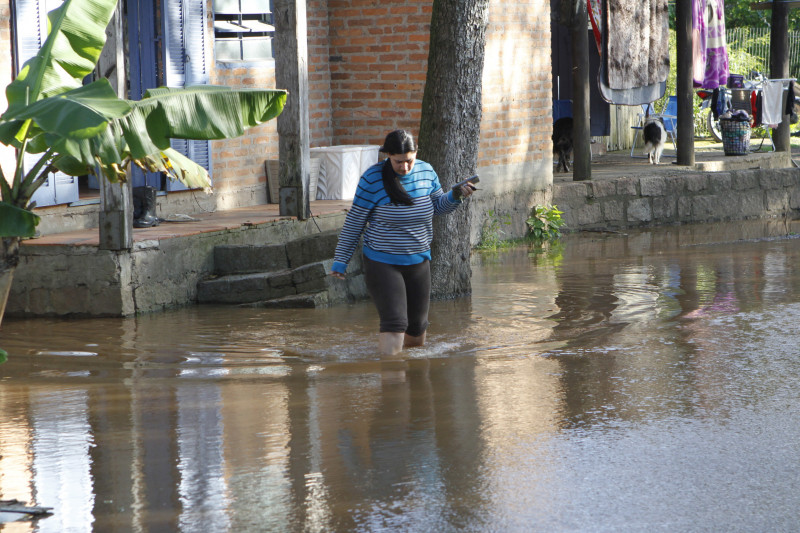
(402, 294)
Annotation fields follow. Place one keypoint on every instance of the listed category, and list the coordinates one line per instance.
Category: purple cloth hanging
(709, 47)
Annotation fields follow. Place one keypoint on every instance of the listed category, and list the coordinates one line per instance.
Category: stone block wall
(630, 202)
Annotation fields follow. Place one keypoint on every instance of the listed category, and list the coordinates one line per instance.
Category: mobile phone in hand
(469, 181)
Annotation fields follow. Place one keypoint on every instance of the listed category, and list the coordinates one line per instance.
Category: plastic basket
(735, 136)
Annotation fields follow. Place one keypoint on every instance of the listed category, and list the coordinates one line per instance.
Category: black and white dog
(655, 137)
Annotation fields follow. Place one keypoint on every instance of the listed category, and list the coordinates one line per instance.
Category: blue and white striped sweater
(395, 234)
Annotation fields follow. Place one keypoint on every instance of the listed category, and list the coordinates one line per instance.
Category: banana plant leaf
(70, 53)
(91, 125)
(198, 112)
(63, 121)
(17, 222)
(178, 167)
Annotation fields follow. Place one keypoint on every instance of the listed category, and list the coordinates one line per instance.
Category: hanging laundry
(720, 103)
(755, 106)
(709, 47)
(637, 43)
(772, 110)
(596, 17)
(790, 102)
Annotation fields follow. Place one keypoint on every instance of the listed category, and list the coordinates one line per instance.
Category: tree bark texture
(450, 129)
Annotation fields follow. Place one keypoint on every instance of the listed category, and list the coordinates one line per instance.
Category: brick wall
(239, 163)
(319, 74)
(367, 68)
(517, 81)
(378, 63)
(378, 59)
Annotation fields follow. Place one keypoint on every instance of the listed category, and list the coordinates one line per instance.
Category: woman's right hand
(338, 275)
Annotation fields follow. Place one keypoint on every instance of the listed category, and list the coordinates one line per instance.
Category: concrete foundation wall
(642, 201)
(65, 280)
(509, 193)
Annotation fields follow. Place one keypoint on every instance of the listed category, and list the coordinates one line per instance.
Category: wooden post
(779, 67)
(116, 213)
(581, 137)
(683, 82)
(291, 73)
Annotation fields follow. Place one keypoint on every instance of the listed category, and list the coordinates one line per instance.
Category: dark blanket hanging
(638, 43)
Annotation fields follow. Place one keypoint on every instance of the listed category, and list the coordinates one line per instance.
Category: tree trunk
(9, 258)
(450, 129)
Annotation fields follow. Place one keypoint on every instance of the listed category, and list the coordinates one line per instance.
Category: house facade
(366, 64)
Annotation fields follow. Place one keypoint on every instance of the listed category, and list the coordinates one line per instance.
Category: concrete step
(294, 274)
(246, 258)
(295, 301)
(259, 286)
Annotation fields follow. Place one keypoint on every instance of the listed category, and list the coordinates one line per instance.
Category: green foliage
(16, 222)
(492, 231)
(3, 356)
(547, 253)
(740, 13)
(544, 223)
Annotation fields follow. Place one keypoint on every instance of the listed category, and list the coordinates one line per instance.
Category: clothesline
(759, 83)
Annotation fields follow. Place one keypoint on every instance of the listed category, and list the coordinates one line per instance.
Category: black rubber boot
(144, 207)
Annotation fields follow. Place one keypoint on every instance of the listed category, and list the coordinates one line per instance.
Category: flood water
(641, 381)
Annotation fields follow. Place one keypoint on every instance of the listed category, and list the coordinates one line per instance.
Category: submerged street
(644, 380)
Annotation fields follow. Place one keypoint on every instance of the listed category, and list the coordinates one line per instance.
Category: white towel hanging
(772, 102)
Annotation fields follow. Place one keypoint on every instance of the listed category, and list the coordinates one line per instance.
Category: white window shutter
(31, 32)
(186, 65)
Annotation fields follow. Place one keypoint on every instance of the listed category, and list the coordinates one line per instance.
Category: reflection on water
(621, 382)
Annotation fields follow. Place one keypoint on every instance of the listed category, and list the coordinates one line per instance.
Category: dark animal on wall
(562, 142)
(655, 136)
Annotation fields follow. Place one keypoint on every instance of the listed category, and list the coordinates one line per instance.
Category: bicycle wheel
(713, 126)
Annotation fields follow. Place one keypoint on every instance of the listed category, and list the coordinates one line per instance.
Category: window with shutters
(30, 24)
(243, 30)
(185, 64)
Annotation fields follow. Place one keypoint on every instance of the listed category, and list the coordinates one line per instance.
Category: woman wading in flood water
(393, 207)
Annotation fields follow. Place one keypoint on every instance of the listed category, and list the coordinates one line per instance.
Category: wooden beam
(683, 82)
(116, 200)
(581, 133)
(291, 73)
(779, 68)
(791, 4)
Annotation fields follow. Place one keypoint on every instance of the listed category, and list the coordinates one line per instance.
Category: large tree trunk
(9, 258)
(450, 129)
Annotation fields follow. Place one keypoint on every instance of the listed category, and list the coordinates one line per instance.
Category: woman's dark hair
(397, 142)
